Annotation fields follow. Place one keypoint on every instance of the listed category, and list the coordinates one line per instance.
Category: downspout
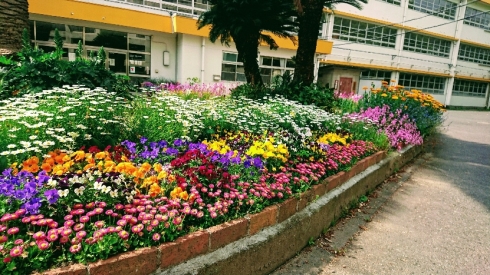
(203, 51)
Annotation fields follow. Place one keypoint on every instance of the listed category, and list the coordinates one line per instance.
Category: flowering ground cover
(87, 175)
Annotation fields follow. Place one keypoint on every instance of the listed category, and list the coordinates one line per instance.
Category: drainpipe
(203, 50)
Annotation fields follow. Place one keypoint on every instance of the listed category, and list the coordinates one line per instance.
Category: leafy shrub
(37, 71)
(314, 94)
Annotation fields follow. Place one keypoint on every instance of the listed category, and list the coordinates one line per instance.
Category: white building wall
(161, 42)
(467, 101)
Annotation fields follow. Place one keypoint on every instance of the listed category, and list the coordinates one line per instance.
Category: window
(441, 8)
(126, 53)
(231, 69)
(476, 18)
(270, 67)
(376, 74)
(469, 88)
(364, 33)
(425, 83)
(474, 54)
(394, 2)
(426, 44)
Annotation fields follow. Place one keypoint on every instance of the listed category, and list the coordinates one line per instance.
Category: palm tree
(14, 18)
(309, 17)
(244, 22)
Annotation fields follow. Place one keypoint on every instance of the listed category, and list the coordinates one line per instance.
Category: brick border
(169, 256)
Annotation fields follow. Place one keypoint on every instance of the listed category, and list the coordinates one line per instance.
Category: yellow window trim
(486, 46)
(188, 25)
(101, 14)
(472, 78)
(382, 22)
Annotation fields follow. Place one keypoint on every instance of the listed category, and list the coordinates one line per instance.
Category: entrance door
(345, 85)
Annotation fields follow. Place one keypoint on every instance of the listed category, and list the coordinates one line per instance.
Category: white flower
(63, 193)
(33, 137)
(11, 146)
(106, 189)
(97, 185)
(73, 134)
(4, 153)
(52, 183)
(87, 137)
(79, 191)
(25, 144)
(113, 193)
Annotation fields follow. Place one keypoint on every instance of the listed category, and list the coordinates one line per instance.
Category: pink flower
(64, 239)
(18, 241)
(43, 245)
(39, 235)
(156, 237)
(66, 232)
(13, 230)
(177, 220)
(75, 248)
(123, 235)
(78, 226)
(3, 239)
(84, 219)
(121, 222)
(26, 220)
(81, 234)
(68, 217)
(99, 224)
(69, 223)
(137, 228)
(52, 235)
(16, 251)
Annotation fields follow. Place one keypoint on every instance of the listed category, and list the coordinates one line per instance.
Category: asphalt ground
(432, 217)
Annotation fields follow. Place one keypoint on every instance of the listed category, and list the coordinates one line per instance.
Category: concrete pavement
(435, 219)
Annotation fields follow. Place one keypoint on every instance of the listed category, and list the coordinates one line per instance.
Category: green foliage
(79, 50)
(322, 97)
(36, 71)
(58, 41)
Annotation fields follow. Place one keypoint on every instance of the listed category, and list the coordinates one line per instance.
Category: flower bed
(64, 200)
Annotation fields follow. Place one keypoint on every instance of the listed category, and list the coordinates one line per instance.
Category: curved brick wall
(257, 243)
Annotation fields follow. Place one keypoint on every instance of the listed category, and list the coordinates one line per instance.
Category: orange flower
(100, 155)
(175, 193)
(149, 181)
(184, 195)
(79, 155)
(46, 167)
(155, 190)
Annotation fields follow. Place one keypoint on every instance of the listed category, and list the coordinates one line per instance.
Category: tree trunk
(247, 46)
(14, 18)
(309, 23)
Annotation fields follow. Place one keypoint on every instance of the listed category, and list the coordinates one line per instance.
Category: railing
(192, 8)
(183, 7)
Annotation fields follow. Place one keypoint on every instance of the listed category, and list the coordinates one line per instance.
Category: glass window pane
(107, 39)
(45, 31)
(232, 57)
(140, 43)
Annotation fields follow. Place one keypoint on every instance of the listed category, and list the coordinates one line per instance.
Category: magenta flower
(75, 248)
(64, 239)
(81, 234)
(52, 235)
(99, 224)
(84, 219)
(13, 230)
(66, 232)
(137, 228)
(78, 226)
(177, 220)
(39, 235)
(18, 241)
(123, 235)
(3, 239)
(43, 245)
(156, 237)
(16, 251)
(69, 223)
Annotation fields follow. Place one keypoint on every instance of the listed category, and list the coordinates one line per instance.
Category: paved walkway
(435, 222)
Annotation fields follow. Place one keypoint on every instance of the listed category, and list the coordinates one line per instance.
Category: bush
(314, 94)
(37, 71)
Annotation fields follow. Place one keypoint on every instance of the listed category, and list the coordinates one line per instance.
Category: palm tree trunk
(247, 46)
(14, 18)
(309, 22)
